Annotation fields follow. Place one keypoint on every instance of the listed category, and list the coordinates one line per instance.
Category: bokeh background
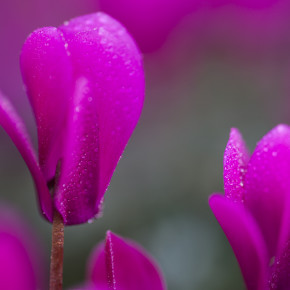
(210, 65)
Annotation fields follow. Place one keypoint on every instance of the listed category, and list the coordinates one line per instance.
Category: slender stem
(56, 258)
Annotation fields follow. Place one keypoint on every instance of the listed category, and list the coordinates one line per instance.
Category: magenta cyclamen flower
(121, 264)
(255, 211)
(85, 83)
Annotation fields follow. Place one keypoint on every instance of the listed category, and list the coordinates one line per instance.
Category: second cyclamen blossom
(85, 83)
(255, 211)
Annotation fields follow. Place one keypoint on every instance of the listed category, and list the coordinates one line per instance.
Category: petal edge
(245, 238)
(15, 129)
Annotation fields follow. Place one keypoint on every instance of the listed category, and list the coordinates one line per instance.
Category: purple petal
(78, 186)
(15, 268)
(105, 54)
(245, 238)
(127, 266)
(267, 183)
(280, 272)
(15, 128)
(105, 57)
(21, 265)
(236, 159)
(47, 73)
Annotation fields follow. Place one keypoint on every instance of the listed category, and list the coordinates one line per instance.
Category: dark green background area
(159, 192)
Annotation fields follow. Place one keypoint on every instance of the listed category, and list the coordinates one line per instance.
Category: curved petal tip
(236, 159)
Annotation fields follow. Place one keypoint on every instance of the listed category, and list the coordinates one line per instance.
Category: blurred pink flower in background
(149, 21)
(21, 263)
(244, 3)
(255, 211)
(235, 26)
(85, 82)
(245, 32)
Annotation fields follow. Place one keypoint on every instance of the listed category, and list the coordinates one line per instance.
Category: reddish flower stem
(56, 258)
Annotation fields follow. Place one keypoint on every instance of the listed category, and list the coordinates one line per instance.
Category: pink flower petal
(267, 183)
(47, 73)
(104, 55)
(21, 264)
(280, 272)
(15, 128)
(236, 159)
(127, 266)
(15, 267)
(245, 238)
(76, 193)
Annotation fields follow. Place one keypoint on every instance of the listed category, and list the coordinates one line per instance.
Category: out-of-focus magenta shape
(21, 266)
(254, 213)
(245, 3)
(255, 30)
(149, 21)
(85, 82)
(122, 264)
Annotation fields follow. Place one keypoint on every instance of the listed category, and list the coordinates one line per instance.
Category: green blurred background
(197, 88)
